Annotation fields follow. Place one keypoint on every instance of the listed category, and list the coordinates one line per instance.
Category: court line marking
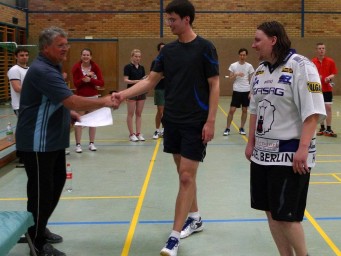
(74, 198)
(134, 220)
(307, 214)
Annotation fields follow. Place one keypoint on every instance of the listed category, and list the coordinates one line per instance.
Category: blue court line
(148, 222)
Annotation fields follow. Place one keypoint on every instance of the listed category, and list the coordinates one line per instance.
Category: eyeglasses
(63, 46)
(170, 21)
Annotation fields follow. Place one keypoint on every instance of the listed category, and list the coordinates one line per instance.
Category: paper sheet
(99, 117)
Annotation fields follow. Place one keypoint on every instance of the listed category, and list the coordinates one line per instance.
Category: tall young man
(190, 69)
(327, 70)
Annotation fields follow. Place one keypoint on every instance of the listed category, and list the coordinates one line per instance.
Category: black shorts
(240, 98)
(185, 140)
(279, 190)
(139, 97)
(328, 97)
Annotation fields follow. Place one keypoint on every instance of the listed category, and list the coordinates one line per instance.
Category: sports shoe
(320, 132)
(78, 148)
(133, 138)
(156, 135)
(140, 137)
(171, 247)
(226, 132)
(330, 133)
(49, 250)
(191, 226)
(52, 238)
(92, 147)
(241, 131)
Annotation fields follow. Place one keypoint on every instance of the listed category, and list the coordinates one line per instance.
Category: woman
(87, 78)
(286, 105)
(134, 72)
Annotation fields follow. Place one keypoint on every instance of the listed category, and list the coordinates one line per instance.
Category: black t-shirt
(133, 73)
(161, 84)
(186, 68)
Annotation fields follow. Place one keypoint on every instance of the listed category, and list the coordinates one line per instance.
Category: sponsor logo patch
(287, 70)
(314, 87)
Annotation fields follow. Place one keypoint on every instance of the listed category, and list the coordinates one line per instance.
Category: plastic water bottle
(9, 132)
(68, 183)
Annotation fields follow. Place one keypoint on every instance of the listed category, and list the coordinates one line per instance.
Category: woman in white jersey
(286, 105)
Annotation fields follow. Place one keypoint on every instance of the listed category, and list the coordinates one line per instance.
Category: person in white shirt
(285, 107)
(16, 75)
(241, 71)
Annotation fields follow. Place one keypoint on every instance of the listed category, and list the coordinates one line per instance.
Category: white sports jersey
(282, 100)
(16, 73)
(241, 84)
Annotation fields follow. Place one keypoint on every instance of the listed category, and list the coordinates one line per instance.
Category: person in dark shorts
(134, 72)
(190, 69)
(286, 105)
(327, 69)
(241, 71)
(159, 100)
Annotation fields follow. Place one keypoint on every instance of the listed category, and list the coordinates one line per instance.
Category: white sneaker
(156, 135)
(191, 226)
(133, 138)
(140, 137)
(226, 132)
(171, 247)
(78, 148)
(92, 147)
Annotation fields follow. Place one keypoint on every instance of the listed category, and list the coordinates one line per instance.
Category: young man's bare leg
(186, 200)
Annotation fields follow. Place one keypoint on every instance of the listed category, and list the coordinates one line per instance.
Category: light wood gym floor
(124, 194)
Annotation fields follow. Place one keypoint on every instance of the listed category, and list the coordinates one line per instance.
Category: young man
(159, 100)
(327, 70)
(241, 71)
(43, 133)
(286, 105)
(16, 75)
(191, 71)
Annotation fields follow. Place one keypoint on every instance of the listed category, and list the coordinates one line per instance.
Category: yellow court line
(322, 233)
(74, 198)
(330, 161)
(327, 155)
(310, 218)
(324, 182)
(138, 208)
(336, 177)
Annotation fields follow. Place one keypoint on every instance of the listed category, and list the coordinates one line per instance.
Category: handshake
(114, 100)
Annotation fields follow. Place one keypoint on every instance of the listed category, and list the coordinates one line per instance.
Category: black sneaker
(226, 132)
(241, 131)
(52, 238)
(49, 250)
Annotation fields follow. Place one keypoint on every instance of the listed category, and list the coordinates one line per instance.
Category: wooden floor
(123, 195)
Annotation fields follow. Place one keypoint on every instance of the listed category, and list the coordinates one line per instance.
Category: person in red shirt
(87, 78)
(327, 70)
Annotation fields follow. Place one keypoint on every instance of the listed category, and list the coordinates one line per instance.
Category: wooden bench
(13, 224)
(7, 151)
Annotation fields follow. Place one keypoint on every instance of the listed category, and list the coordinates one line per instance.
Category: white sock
(175, 234)
(194, 215)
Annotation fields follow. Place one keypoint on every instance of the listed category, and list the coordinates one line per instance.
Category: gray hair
(47, 36)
